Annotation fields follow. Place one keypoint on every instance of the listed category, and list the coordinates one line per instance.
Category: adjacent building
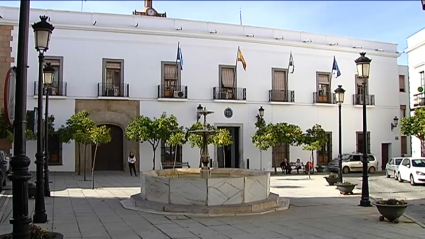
(121, 66)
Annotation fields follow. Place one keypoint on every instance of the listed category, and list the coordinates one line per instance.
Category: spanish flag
(241, 58)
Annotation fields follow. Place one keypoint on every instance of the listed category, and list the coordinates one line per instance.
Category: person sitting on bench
(298, 165)
(286, 166)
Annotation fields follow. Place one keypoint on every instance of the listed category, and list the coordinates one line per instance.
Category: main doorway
(385, 154)
(228, 156)
(109, 156)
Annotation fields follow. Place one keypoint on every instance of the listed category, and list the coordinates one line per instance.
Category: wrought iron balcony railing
(55, 90)
(281, 96)
(324, 97)
(229, 93)
(358, 99)
(113, 90)
(173, 92)
(419, 99)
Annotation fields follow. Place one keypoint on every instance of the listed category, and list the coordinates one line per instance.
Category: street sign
(10, 95)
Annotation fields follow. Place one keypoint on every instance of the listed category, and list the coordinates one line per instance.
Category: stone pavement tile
(154, 236)
(209, 222)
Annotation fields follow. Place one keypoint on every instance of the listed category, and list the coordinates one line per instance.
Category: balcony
(324, 98)
(172, 92)
(419, 99)
(238, 94)
(358, 99)
(281, 96)
(59, 90)
(113, 90)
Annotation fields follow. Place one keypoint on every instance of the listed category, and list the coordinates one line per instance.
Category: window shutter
(228, 77)
(113, 65)
(401, 82)
(170, 71)
(162, 151)
(279, 80)
(287, 151)
(323, 78)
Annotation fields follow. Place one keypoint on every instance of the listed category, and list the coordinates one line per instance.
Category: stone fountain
(206, 191)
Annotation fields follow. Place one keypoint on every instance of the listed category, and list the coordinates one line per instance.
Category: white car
(391, 168)
(413, 170)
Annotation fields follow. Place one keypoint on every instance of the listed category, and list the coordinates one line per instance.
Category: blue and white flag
(179, 59)
(335, 68)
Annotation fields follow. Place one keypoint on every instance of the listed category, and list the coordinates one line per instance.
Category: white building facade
(416, 63)
(120, 66)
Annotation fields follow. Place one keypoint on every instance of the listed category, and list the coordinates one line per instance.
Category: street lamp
(261, 111)
(48, 78)
(395, 124)
(339, 94)
(20, 162)
(260, 123)
(198, 112)
(363, 68)
(42, 32)
(423, 4)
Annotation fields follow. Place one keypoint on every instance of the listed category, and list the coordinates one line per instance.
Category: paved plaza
(317, 211)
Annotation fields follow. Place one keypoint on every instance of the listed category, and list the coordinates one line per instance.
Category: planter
(32, 192)
(346, 188)
(391, 212)
(331, 181)
(55, 235)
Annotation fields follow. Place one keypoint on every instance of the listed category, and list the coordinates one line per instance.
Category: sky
(386, 21)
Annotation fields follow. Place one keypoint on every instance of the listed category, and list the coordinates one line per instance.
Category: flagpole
(332, 73)
(240, 16)
(236, 69)
(177, 66)
(82, 1)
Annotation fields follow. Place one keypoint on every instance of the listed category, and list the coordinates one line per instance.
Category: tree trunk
(200, 158)
(153, 160)
(79, 158)
(175, 157)
(224, 158)
(312, 160)
(85, 162)
(92, 169)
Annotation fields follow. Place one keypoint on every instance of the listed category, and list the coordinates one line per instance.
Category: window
(55, 150)
(356, 158)
(279, 153)
(401, 83)
(279, 80)
(58, 84)
(323, 86)
(113, 77)
(168, 153)
(324, 155)
(359, 141)
(402, 111)
(227, 77)
(422, 75)
(359, 85)
(171, 75)
(403, 140)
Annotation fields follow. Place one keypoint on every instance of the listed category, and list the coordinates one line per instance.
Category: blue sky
(387, 21)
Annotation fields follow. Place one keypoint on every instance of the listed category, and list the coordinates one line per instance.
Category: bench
(168, 165)
(293, 167)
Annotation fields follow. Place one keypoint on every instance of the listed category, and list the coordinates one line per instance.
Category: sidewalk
(317, 211)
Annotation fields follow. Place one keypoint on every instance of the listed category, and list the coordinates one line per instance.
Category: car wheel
(372, 170)
(399, 178)
(412, 180)
(395, 176)
(387, 174)
(346, 169)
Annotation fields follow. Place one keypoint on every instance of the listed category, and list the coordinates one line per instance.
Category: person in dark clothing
(132, 163)
(286, 166)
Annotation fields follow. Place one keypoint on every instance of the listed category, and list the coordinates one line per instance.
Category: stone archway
(116, 113)
(109, 157)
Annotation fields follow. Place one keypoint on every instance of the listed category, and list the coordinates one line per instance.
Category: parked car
(3, 169)
(353, 163)
(413, 170)
(392, 167)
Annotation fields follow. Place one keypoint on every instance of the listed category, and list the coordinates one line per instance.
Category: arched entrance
(110, 156)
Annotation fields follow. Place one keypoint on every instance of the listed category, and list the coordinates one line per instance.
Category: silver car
(391, 168)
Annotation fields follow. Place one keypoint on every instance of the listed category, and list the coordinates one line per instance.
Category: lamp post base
(39, 218)
(365, 203)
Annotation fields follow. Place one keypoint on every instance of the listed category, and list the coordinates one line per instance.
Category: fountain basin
(186, 187)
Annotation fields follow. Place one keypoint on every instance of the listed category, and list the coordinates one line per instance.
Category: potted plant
(332, 178)
(37, 232)
(391, 209)
(320, 169)
(32, 189)
(345, 187)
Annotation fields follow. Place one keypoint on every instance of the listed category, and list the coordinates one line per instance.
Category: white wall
(83, 46)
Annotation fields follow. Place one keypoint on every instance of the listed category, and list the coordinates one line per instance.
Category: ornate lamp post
(49, 74)
(260, 118)
(198, 112)
(339, 94)
(42, 32)
(261, 112)
(363, 69)
(19, 162)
